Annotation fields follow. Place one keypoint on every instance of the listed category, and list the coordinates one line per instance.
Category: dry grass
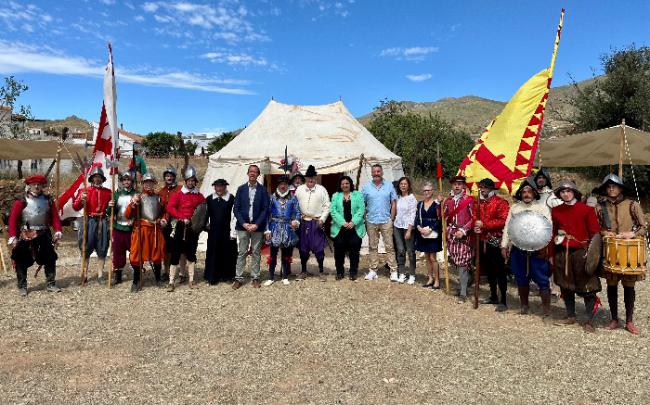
(310, 342)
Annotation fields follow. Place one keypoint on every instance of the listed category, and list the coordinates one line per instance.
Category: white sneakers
(372, 275)
(411, 280)
(267, 283)
(285, 281)
(393, 276)
(402, 278)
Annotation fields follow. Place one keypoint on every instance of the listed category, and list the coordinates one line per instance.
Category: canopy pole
(622, 145)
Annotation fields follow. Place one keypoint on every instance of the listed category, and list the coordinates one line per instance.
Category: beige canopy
(326, 136)
(595, 148)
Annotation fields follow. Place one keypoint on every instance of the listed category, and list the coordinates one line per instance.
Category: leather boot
(117, 276)
(546, 302)
(523, 298)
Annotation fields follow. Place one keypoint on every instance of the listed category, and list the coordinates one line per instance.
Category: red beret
(36, 178)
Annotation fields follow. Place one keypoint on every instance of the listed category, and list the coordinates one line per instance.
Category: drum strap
(605, 214)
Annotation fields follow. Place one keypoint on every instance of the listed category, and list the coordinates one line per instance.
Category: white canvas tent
(326, 136)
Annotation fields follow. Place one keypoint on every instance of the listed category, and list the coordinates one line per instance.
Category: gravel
(338, 342)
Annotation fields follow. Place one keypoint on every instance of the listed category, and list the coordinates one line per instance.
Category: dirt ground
(337, 342)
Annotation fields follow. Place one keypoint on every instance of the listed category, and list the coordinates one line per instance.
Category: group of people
(157, 227)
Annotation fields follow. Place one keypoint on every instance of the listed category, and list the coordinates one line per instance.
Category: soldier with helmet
(620, 218)
(30, 236)
(122, 226)
(181, 206)
(170, 187)
(527, 266)
(96, 198)
(574, 226)
(147, 240)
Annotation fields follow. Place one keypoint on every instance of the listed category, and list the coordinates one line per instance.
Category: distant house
(200, 140)
(127, 140)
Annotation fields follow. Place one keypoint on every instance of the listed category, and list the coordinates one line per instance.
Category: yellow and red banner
(506, 150)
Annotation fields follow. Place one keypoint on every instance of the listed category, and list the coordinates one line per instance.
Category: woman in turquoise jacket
(348, 228)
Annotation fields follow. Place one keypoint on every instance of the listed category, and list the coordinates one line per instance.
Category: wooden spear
(477, 276)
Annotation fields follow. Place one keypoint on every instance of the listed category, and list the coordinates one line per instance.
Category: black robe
(221, 255)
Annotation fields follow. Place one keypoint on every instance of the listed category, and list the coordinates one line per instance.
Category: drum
(625, 256)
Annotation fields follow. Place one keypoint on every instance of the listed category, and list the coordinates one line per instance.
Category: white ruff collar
(186, 190)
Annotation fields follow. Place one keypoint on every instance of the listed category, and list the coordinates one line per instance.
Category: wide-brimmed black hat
(296, 176)
(489, 183)
(283, 179)
(527, 182)
(311, 171)
(219, 182)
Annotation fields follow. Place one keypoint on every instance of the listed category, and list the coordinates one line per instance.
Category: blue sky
(206, 66)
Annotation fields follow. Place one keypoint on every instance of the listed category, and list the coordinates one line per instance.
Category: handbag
(431, 235)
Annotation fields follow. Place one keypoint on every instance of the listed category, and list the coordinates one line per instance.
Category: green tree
(161, 144)
(220, 141)
(10, 92)
(415, 138)
(622, 92)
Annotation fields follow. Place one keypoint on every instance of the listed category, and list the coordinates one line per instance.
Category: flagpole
(551, 69)
(558, 35)
(113, 169)
(84, 238)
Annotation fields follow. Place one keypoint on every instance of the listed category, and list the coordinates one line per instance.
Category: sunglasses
(427, 190)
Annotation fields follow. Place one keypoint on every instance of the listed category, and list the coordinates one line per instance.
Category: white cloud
(419, 78)
(234, 59)
(138, 18)
(150, 7)
(15, 16)
(108, 2)
(24, 58)
(327, 7)
(416, 53)
(225, 20)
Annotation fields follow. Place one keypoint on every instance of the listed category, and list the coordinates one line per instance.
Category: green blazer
(358, 211)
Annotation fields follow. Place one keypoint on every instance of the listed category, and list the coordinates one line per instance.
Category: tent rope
(636, 188)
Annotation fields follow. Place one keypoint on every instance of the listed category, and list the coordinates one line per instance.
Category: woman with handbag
(403, 234)
(347, 209)
(428, 236)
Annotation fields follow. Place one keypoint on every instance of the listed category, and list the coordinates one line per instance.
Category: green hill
(473, 113)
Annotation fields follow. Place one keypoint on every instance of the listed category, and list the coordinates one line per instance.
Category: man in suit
(251, 210)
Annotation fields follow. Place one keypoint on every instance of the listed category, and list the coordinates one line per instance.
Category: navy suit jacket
(260, 207)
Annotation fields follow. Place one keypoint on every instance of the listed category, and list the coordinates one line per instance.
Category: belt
(307, 218)
(35, 228)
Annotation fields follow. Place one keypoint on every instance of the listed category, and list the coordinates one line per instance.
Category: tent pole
(620, 152)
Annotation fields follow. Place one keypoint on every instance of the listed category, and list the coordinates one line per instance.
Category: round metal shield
(530, 230)
(199, 218)
(594, 254)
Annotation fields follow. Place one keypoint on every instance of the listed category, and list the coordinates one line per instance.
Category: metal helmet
(129, 174)
(189, 173)
(568, 184)
(171, 170)
(610, 179)
(148, 176)
(96, 171)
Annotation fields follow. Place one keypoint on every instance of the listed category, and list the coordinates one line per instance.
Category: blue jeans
(537, 270)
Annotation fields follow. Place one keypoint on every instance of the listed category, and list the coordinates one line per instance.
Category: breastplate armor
(123, 201)
(151, 208)
(36, 212)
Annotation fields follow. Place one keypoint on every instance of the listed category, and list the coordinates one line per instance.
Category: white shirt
(406, 209)
(314, 202)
